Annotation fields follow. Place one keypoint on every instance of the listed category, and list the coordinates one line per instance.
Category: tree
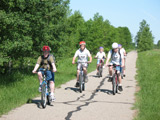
(158, 44)
(144, 38)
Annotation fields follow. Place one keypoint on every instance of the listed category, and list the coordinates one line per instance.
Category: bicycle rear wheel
(114, 84)
(43, 96)
(101, 69)
(80, 83)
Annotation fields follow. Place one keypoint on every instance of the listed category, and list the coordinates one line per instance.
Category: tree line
(27, 25)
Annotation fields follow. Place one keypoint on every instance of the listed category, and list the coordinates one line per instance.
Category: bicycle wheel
(83, 87)
(80, 82)
(114, 84)
(43, 96)
(48, 99)
(101, 71)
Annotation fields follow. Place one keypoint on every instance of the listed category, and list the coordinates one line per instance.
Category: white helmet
(115, 45)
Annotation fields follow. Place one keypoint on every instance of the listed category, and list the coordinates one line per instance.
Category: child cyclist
(100, 56)
(46, 61)
(117, 58)
(82, 53)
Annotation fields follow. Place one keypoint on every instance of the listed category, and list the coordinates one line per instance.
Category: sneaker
(120, 88)
(97, 73)
(103, 67)
(86, 79)
(52, 98)
(77, 84)
(40, 88)
(110, 79)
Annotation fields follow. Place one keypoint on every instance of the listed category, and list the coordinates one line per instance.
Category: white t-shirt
(116, 57)
(100, 55)
(82, 55)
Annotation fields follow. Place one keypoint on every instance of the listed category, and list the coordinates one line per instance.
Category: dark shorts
(49, 74)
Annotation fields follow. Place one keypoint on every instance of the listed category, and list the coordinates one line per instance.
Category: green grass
(20, 87)
(148, 98)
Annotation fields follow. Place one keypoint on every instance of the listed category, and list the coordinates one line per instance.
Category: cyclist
(46, 61)
(124, 53)
(100, 56)
(117, 58)
(82, 53)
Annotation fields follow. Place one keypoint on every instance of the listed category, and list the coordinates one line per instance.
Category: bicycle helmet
(82, 43)
(115, 45)
(101, 48)
(46, 48)
(119, 45)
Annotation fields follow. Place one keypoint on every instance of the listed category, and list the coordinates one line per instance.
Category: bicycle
(45, 94)
(81, 78)
(100, 68)
(115, 80)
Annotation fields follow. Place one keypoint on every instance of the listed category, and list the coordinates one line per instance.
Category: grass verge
(148, 98)
(21, 86)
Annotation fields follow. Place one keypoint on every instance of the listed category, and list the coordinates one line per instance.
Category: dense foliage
(144, 38)
(27, 25)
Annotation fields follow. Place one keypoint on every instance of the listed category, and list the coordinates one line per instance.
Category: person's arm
(54, 67)
(35, 68)
(37, 65)
(122, 62)
(124, 52)
(74, 58)
(108, 58)
(122, 58)
(90, 59)
(96, 55)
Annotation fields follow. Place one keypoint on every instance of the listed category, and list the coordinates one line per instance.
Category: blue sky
(127, 13)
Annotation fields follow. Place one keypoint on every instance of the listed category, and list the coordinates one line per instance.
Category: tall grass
(148, 98)
(20, 86)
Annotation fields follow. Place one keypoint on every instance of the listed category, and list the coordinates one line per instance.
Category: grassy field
(21, 86)
(148, 98)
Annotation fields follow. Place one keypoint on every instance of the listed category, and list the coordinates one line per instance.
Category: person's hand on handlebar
(89, 62)
(34, 72)
(73, 62)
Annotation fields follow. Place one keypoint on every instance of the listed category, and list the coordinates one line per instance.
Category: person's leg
(119, 78)
(85, 71)
(78, 71)
(52, 86)
(40, 77)
(110, 70)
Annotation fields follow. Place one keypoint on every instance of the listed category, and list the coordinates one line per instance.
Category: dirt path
(96, 103)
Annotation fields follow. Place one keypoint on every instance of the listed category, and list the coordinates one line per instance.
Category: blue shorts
(49, 74)
(119, 68)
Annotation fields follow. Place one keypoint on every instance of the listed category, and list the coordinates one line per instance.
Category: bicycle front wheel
(114, 84)
(43, 96)
(80, 83)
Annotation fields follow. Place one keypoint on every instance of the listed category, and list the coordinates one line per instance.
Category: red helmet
(82, 43)
(46, 48)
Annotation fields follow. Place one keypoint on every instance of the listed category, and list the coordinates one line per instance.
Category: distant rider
(100, 56)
